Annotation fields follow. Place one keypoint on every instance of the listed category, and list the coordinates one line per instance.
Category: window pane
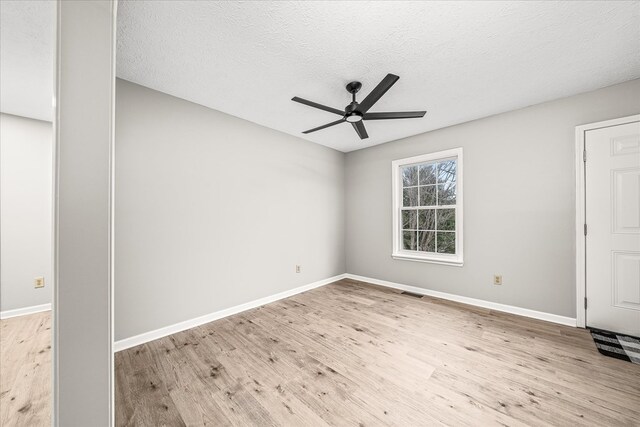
(409, 240)
(409, 219)
(428, 195)
(446, 242)
(426, 219)
(427, 241)
(447, 171)
(446, 219)
(447, 193)
(428, 174)
(409, 176)
(410, 196)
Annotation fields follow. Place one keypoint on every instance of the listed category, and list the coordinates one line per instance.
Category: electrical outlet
(497, 279)
(297, 269)
(39, 282)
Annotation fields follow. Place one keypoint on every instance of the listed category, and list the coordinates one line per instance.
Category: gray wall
(26, 182)
(213, 211)
(519, 206)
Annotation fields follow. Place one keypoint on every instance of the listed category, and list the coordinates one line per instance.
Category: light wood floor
(355, 354)
(25, 370)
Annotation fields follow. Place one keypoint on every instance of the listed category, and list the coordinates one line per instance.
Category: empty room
(319, 213)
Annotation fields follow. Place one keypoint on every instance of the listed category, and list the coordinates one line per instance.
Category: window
(427, 207)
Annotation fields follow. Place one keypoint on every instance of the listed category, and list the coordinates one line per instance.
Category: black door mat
(620, 346)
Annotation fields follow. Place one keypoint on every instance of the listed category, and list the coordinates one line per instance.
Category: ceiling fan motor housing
(351, 113)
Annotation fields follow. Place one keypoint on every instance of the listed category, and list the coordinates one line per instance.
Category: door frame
(581, 238)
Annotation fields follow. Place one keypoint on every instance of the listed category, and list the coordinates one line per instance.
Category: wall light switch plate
(497, 279)
(39, 282)
(297, 269)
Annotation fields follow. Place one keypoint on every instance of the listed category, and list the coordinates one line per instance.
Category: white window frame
(396, 181)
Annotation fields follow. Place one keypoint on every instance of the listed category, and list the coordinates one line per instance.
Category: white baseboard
(192, 323)
(540, 315)
(24, 311)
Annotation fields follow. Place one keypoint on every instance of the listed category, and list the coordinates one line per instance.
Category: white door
(612, 195)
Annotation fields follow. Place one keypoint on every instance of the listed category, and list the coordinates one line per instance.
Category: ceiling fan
(355, 112)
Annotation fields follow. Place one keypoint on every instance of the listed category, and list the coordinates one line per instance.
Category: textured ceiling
(26, 58)
(458, 60)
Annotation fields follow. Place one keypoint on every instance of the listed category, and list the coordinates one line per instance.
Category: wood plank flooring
(351, 353)
(25, 370)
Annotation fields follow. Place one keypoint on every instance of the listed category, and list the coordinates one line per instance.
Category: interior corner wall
(519, 203)
(26, 183)
(213, 211)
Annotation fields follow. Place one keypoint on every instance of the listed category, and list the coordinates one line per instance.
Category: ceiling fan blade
(360, 130)
(324, 126)
(377, 92)
(394, 115)
(316, 105)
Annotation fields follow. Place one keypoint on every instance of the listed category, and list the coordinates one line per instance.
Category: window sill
(433, 260)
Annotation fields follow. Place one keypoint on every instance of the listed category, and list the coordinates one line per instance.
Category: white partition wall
(83, 361)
